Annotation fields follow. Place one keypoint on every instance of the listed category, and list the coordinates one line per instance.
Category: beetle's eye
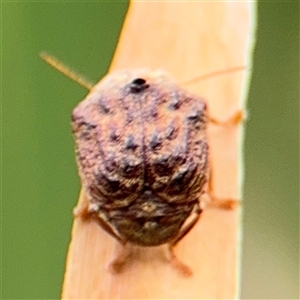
(137, 85)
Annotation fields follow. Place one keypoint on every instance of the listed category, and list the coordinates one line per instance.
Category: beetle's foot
(85, 210)
(117, 265)
(238, 117)
(223, 203)
(81, 211)
(178, 265)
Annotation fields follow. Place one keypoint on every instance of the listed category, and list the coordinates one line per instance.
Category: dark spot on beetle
(137, 85)
(162, 167)
(156, 141)
(179, 177)
(154, 112)
(171, 132)
(139, 81)
(85, 134)
(129, 167)
(130, 143)
(179, 156)
(110, 163)
(176, 103)
(114, 134)
(141, 221)
(104, 106)
(105, 109)
(80, 120)
(194, 116)
(129, 118)
(84, 129)
(113, 185)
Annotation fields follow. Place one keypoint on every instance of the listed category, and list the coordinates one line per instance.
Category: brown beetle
(142, 152)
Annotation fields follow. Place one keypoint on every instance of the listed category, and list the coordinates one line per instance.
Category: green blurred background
(40, 181)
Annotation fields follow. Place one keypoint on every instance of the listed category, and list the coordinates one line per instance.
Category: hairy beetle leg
(87, 211)
(175, 262)
(186, 229)
(237, 118)
(90, 211)
(117, 265)
(222, 203)
(225, 203)
(178, 265)
(82, 210)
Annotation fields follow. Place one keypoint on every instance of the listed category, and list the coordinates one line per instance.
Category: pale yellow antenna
(67, 71)
(213, 74)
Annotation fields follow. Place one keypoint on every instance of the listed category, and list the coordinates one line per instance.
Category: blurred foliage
(40, 181)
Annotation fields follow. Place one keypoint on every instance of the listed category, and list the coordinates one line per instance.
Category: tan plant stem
(187, 39)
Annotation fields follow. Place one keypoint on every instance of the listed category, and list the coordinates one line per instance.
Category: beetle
(143, 158)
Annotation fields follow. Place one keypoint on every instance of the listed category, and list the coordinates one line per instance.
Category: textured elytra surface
(142, 153)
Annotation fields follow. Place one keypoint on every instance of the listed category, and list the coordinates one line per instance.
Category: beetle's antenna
(213, 74)
(67, 71)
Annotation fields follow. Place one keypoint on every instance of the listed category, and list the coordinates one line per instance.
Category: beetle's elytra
(142, 153)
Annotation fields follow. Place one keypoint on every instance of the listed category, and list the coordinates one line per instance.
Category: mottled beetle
(143, 158)
(142, 153)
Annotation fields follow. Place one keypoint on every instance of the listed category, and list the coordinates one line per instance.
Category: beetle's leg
(90, 211)
(218, 202)
(238, 117)
(185, 230)
(118, 263)
(185, 270)
(82, 209)
(225, 203)
(105, 226)
(178, 265)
